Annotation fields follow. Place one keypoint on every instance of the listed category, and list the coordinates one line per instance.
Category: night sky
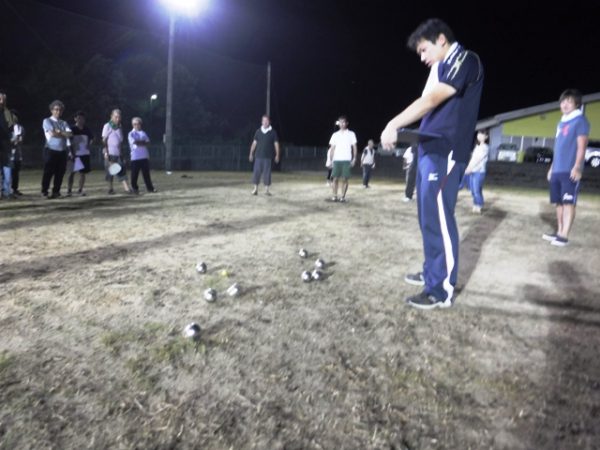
(349, 57)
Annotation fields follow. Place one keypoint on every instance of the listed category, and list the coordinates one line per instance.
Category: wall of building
(592, 112)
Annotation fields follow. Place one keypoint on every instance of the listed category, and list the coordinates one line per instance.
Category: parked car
(507, 152)
(592, 154)
(538, 154)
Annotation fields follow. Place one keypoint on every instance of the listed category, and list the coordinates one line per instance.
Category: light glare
(186, 7)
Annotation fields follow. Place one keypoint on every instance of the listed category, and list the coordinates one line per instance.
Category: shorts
(563, 190)
(85, 160)
(341, 169)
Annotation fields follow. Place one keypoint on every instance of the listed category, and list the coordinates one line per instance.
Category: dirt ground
(95, 293)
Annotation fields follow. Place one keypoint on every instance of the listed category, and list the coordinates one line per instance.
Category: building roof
(524, 112)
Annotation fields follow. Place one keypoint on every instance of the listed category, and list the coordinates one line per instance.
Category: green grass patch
(6, 360)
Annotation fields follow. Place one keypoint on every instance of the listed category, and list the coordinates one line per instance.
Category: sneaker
(560, 241)
(254, 191)
(476, 210)
(407, 199)
(111, 192)
(69, 193)
(81, 193)
(153, 191)
(17, 192)
(55, 195)
(549, 236)
(427, 301)
(45, 194)
(334, 199)
(342, 200)
(416, 279)
(268, 193)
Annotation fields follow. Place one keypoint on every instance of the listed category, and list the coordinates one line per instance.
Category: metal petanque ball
(319, 263)
(192, 331)
(233, 290)
(201, 267)
(303, 253)
(210, 295)
(317, 275)
(306, 276)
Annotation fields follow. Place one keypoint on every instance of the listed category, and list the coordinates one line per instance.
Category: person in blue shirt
(565, 172)
(447, 108)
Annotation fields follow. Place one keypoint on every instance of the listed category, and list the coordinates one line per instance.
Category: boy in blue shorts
(565, 172)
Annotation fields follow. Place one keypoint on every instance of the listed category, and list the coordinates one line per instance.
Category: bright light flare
(186, 7)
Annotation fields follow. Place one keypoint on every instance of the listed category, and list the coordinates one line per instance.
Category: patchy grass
(97, 290)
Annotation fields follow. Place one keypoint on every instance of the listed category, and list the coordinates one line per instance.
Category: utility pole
(268, 109)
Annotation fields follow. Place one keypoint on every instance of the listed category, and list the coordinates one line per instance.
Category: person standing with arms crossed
(140, 156)
(448, 107)
(565, 172)
(264, 146)
(57, 133)
(343, 155)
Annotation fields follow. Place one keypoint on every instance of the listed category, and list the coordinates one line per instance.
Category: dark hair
(57, 103)
(344, 118)
(483, 131)
(79, 113)
(575, 94)
(430, 30)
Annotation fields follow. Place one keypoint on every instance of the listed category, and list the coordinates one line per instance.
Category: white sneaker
(406, 199)
(476, 209)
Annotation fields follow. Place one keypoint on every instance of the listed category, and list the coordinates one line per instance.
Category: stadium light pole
(176, 8)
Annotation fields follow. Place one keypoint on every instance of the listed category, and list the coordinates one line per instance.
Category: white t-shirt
(113, 139)
(343, 140)
(368, 156)
(479, 158)
(138, 151)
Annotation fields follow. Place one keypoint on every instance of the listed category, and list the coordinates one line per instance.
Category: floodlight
(185, 7)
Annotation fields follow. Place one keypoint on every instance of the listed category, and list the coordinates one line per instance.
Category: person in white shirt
(112, 138)
(476, 170)
(16, 156)
(57, 133)
(329, 166)
(410, 165)
(140, 156)
(80, 143)
(343, 155)
(367, 162)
